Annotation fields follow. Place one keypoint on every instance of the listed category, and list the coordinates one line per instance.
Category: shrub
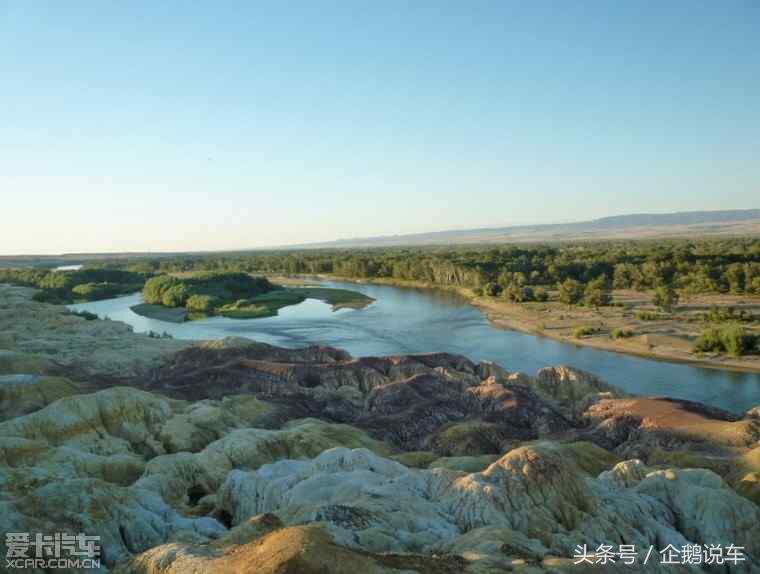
(583, 331)
(731, 339)
(157, 335)
(650, 316)
(621, 333)
(201, 303)
(725, 314)
(92, 291)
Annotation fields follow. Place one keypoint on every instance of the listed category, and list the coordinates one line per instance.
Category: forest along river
(404, 320)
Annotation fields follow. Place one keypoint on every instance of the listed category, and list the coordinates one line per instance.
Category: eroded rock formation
(237, 456)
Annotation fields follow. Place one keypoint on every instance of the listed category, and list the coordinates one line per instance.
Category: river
(404, 320)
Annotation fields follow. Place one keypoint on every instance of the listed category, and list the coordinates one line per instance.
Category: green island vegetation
(176, 298)
(236, 295)
(89, 284)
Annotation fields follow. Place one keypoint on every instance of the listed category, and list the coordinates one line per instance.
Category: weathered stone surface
(211, 465)
(536, 492)
(23, 394)
(297, 549)
(638, 425)
(571, 390)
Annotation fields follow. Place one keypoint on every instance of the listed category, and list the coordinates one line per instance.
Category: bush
(650, 316)
(583, 331)
(201, 303)
(731, 339)
(727, 314)
(157, 335)
(93, 291)
(621, 333)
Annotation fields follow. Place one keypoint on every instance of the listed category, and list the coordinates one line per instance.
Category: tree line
(689, 267)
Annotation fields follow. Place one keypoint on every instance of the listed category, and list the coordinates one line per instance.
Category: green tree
(735, 277)
(153, 290)
(175, 296)
(597, 292)
(665, 297)
(570, 292)
(492, 289)
(519, 294)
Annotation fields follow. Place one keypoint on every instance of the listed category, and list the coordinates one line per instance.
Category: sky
(159, 126)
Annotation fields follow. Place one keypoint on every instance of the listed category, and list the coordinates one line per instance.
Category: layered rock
(536, 497)
(25, 393)
(235, 456)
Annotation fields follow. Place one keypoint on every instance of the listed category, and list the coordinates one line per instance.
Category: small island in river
(182, 297)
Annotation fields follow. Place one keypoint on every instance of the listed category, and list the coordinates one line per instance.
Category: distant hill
(633, 226)
(734, 222)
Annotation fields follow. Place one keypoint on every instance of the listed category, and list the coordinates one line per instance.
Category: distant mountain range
(734, 222)
(637, 225)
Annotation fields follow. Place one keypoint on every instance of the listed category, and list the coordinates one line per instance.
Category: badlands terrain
(236, 456)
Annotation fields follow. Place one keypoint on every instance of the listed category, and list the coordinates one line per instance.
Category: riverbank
(665, 339)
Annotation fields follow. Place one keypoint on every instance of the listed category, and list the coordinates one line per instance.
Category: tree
(153, 291)
(735, 277)
(665, 297)
(597, 292)
(519, 294)
(492, 289)
(175, 296)
(570, 292)
(540, 294)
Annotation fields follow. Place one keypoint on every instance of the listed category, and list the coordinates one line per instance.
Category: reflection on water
(418, 320)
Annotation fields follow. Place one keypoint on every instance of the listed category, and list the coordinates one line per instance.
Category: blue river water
(403, 320)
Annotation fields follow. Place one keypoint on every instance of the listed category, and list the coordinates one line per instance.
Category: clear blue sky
(213, 125)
